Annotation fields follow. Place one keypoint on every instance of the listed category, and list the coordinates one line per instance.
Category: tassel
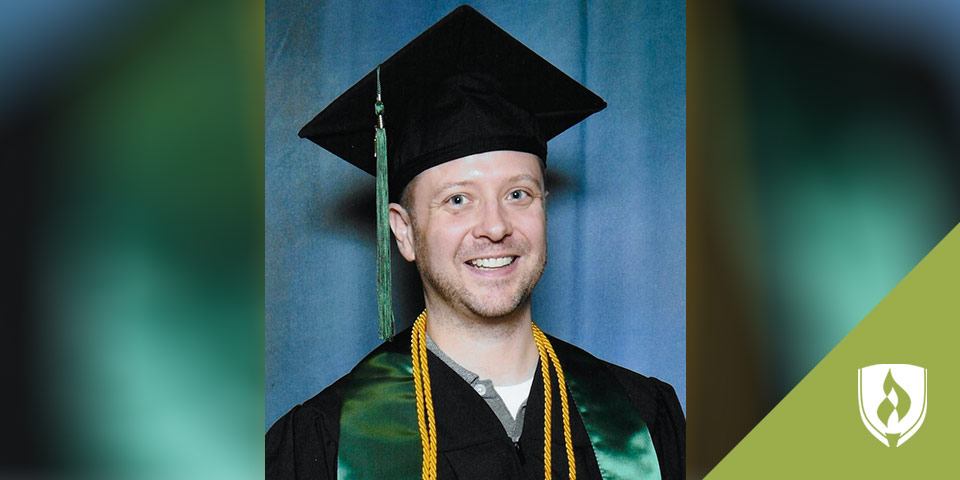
(384, 295)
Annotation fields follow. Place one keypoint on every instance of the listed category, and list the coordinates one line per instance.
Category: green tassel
(384, 295)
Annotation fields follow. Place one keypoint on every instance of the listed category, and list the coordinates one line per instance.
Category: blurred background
(822, 166)
(132, 339)
(822, 151)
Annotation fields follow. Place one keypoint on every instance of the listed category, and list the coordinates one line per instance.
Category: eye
(518, 195)
(457, 200)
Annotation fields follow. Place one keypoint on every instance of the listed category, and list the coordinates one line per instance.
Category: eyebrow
(448, 186)
(525, 176)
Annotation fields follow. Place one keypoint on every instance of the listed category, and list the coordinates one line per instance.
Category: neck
(499, 349)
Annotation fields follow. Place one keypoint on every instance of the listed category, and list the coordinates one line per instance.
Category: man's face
(478, 231)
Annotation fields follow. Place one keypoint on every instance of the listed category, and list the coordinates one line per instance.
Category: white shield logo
(893, 401)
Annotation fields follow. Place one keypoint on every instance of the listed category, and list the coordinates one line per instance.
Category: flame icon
(890, 413)
(886, 408)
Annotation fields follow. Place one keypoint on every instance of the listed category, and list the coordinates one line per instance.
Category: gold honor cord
(421, 387)
(546, 349)
(427, 422)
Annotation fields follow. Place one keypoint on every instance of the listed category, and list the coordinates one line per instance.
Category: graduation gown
(472, 443)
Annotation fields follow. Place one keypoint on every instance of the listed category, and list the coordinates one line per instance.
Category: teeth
(492, 262)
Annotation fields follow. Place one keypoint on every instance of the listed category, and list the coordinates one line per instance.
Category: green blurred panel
(851, 165)
(152, 253)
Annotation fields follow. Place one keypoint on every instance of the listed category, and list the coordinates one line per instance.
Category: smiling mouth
(492, 263)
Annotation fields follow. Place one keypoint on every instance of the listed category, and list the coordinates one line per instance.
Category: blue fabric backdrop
(615, 281)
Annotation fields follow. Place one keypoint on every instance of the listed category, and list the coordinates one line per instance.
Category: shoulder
(325, 406)
(303, 442)
(649, 395)
(657, 404)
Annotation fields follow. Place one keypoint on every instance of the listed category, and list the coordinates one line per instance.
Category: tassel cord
(384, 291)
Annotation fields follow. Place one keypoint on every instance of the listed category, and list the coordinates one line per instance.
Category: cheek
(447, 235)
(533, 225)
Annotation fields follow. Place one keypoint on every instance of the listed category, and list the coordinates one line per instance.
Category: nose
(493, 223)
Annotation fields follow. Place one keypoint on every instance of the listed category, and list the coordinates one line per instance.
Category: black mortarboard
(463, 86)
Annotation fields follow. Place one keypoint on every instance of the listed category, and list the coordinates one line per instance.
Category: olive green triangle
(817, 431)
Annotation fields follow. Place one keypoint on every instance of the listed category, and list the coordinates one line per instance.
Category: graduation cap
(462, 87)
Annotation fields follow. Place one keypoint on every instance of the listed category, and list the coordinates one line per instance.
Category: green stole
(379, 437)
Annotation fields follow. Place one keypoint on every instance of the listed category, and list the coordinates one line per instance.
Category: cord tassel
(384, 294)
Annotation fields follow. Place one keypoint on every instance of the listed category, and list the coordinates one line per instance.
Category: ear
(402, 227)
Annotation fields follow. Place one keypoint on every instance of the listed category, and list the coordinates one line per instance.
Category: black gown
(472, 443)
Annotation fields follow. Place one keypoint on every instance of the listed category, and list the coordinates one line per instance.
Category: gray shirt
(513, 427)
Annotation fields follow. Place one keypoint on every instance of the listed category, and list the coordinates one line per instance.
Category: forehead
(482, 169)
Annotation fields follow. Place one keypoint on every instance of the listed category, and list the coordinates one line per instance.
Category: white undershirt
(514, 395)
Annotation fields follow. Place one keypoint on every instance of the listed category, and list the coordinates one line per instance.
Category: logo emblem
(893, 401)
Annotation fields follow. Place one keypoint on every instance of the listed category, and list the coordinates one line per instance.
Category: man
(475, 389)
